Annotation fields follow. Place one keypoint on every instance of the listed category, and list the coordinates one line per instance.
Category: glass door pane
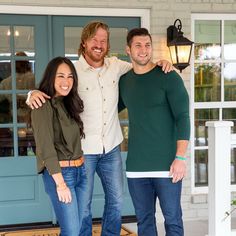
(72, 40)
(123, 116)
(230, 81)
(118, 42)
(201, 117)
(207, 40)
(201, 167)
(24, 39)
(230, 40)
(5, 40)
(6, 142)
(229, 114)
(207, 82)
(230, 56)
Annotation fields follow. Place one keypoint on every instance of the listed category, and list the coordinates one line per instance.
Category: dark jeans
(144, 192)
(69, 215)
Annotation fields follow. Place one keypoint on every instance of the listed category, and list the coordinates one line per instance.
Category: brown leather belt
(72, 163)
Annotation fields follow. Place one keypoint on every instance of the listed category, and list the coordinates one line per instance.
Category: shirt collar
(57, 100)
(86, 66)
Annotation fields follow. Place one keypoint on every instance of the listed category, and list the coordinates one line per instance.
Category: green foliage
(233, 203)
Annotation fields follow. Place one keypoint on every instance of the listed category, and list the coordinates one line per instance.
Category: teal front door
(23, 55)
(67, 31)
(22, 196)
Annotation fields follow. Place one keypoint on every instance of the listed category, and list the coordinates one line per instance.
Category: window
(214, 86)
(17, 63)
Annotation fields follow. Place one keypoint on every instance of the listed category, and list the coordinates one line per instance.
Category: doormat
(55, 232)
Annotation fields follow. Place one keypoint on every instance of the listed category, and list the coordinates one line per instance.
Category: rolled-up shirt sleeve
(42, 124)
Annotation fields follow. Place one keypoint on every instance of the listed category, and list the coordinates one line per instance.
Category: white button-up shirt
(98, 88)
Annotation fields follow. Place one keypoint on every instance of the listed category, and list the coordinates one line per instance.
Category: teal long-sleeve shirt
(158, 110)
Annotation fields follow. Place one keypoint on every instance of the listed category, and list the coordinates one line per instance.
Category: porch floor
(191, 228)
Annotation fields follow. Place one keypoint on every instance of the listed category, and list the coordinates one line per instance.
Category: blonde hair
(89, 31)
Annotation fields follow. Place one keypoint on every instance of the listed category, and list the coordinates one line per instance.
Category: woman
(58, 130)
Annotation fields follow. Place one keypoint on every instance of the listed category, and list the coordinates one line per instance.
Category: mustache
(98, 48)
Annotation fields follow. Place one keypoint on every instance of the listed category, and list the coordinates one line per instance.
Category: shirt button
(104, 123)
(102, 87)
(104, 99)
(105, 112)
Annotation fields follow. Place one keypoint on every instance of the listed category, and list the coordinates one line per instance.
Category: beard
(96, 57)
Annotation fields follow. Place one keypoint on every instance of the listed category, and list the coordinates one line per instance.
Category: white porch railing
(220, 141)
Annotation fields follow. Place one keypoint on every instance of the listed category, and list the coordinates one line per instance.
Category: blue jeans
(109, 169)
(144, 192)
(69, 215)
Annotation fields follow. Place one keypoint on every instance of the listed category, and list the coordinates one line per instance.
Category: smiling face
(140, 50)
(96, 48)
(64, 80)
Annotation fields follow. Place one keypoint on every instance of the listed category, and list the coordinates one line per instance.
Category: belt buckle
(76, 164)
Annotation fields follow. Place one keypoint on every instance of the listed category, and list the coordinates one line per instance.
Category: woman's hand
(64, 193)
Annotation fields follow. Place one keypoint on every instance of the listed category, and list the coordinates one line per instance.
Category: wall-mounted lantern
(179, 46)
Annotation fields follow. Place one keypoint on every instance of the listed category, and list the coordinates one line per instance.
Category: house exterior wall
(162, 14)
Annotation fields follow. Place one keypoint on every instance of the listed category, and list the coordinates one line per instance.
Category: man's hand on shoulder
(166, 65)
(36, 99)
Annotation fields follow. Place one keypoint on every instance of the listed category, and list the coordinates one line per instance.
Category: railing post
(219, 188)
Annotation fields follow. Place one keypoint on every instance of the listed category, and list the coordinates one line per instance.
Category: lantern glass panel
(173, 54)
(183, 52)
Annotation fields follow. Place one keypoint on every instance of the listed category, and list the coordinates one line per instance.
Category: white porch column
(219, 194)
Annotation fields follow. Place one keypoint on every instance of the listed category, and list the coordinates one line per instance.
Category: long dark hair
(73, 103)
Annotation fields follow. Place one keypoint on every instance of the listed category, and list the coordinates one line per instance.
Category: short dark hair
(137, 32)
(22, 66)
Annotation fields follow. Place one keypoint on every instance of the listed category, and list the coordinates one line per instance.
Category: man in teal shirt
(159, 130)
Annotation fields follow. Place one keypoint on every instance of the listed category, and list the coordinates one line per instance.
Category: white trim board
(144, 14)
(213, 16)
